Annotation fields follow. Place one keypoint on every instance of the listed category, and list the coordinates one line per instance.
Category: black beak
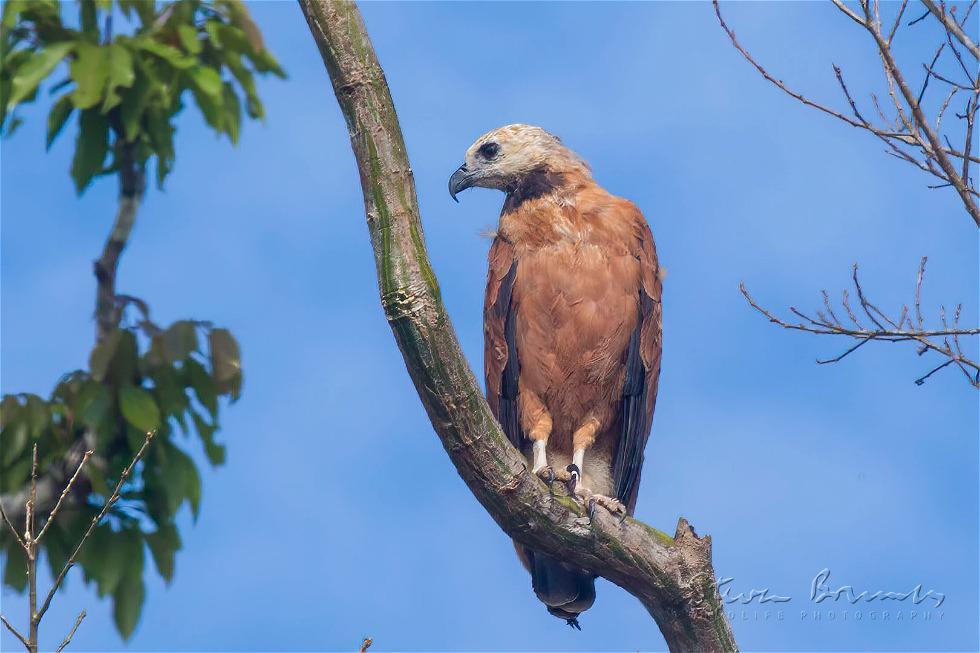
(461, 180)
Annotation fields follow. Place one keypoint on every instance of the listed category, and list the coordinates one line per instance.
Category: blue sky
(338, 514)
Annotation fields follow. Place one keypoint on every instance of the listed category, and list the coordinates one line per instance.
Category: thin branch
(64, 494)
(936, 340)
(953, 27)
(365, 645)
(914, 129)
(32, 557)
(846, 353)
(95, 521)
(71, 633)
(23, 640)
(925, 82)
(898, 21)
(922, 379)
(672, 577)
(930, 71)
(863, 22)
(13, 529)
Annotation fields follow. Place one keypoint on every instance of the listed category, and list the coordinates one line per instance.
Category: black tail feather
(566, 590)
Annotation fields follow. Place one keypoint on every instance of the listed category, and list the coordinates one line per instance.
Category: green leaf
(127, 602)
(15, 572)
(39, 415)
(139, 408)
(124, 367)
(27, 77)
(216, 452)
(12, 126)
(56, 547)
(241, 17)
(182, 478)
(164, 544)
(161, 134)
(179, 340)
(121, 74)
(202, 382)
(170, 54)
(226, 362)
(100, 559)
(15, 437)
(57, 118)
(188, 38)
(90, 70)
(169, 391)
(213, 28)
(233, 112)
(135, 101)
(92, 404)
(102, 353)
(91, 147)
(207, 80)
(14, 477)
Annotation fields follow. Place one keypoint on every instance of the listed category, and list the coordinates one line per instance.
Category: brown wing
(500, 362)
(642, 370)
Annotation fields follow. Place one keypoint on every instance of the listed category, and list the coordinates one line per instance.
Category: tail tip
(571, 618)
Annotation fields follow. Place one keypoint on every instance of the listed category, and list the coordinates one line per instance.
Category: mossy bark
(673, 577)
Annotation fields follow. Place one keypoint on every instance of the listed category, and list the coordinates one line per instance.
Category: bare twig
(13, 529)
(365, 645)
(953, 27)
(944, 341)
(64, 494)
(95, 521)
(71, 633)
(23, 640)
(913, 128)
(30, 545)
(32, 556)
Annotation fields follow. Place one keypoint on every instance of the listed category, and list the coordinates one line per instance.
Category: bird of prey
(572, 327)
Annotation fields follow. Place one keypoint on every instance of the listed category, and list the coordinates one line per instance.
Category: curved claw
(546, 474)
(574, 474)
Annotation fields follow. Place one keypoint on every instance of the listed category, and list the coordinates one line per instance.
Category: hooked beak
(461, 180)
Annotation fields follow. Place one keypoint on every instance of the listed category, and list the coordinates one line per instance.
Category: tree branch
(672, 577)
(49, 486)
(71, 633)
(893, 331)
(132, 185)
(952, 27)
(913, 127)
(108, 312)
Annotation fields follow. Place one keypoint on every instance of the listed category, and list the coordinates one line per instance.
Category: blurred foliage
(126, 87)
(140, 378)
(130, 87)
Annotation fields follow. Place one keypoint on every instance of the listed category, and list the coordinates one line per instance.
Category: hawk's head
(505, 157)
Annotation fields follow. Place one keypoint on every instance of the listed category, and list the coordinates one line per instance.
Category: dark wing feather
(500, 362)
(642, 361)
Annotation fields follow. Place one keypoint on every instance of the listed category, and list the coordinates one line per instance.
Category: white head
(505, 157)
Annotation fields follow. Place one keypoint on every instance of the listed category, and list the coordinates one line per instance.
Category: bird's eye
(489, 150)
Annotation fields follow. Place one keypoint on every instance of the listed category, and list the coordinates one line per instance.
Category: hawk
(572, 327)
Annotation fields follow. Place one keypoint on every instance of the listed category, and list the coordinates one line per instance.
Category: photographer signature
(820, 591)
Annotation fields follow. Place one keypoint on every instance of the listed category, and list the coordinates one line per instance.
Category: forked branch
(673, 577)
(911, 135)
(29, 543)
(868, 323)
